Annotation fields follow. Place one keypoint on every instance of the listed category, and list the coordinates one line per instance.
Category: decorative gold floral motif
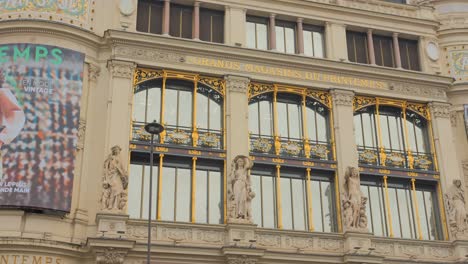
(291, 148)
(422, 162)
(216, 84)
(178, 136)
(263, 145)
(362, 101)
(259, 88)
(368, 156)
(320, 96)
(209, 140)
(142, 75)
(320, 151)
(420, 109)
(395, 158)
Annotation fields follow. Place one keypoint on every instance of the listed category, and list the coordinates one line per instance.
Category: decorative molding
(81, 134)
(342, 97)
(237, 84)
(109, 256)
(417, 90)
(453, 118)
(242, 259)
(440, 110)
(135, 52)
(121, 69)
(93, 72)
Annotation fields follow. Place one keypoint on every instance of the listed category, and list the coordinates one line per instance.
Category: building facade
(299, 131)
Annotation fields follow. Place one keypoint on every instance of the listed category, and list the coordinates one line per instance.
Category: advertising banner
(40, 92)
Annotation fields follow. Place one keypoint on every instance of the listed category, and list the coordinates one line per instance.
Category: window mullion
(406, 141)
(163, 106)
(160, 176)
(194, 188)
(278, 197)
(387, 204)
(305, 134)
(275, 121)
(309, 201)
(194, 113)
(379, 135)
(416, 208)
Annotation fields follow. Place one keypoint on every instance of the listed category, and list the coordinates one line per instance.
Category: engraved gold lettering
(37, 260)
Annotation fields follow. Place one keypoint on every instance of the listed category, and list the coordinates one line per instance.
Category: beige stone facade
(114, 50)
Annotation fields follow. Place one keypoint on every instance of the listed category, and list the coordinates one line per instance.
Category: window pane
(358, 130)
(376, 201)
(280, 46)
(216, 114)
(183, 195)
(266, 118)
(202, 111)
(420, 139)
(406, 219)
(257, 201)
(322, 128)
(145, 202)
(295, 121)
(170, 111)
(216, 206)
(422, 214)
(156, 18)
(317, 206)
(290, 40)
(262, 41)
(412, 136)
(318, 45)
(253, 118)
(384, 131)
(167, 194)
(396, 135)
(185, 108)
(286, 203)
(217, 22)
(429, 199)
(154, 104)
(327, 203)
(201, 197)
(308, 44)
(251, 37)
(282, 119)
(134, 190)
(142, 16)
(311, 128)
(299, 204)
(394, 211)
(268, 200)
(139, 106)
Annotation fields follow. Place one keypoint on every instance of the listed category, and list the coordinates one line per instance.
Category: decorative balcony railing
(290, 147)
(396, 158)
(181, 136)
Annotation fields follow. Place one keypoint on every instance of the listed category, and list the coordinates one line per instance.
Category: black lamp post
(153, 128)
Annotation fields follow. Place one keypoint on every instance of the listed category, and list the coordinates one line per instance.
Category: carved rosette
(109, 256)
(440, 110)
(341, 97)
(121, 69)
(237, 84)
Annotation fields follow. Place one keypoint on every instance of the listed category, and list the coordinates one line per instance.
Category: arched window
(292, 122)
(190, 107)
(393, 133)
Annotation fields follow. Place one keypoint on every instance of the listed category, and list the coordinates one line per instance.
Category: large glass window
(149, 16)
(211, 25)
(409, 53)
(181, 21)
(289, 124)
(383, 47)
(192, 111)
(313, 41)
(257, 33)
(397, 208)
(189, 190)
(285, 37)
(388, 135)
(283, 197)
(357, 47)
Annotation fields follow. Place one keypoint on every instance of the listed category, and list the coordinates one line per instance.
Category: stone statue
(115, 181)
(239, 189)
(354, 202)
(455, 198)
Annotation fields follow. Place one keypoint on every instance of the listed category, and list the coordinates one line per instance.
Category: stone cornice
(141, 49)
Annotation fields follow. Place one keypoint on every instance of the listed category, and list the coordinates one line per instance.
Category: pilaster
(358, 249)
(335, 41)
(234, 26)
(119, 104)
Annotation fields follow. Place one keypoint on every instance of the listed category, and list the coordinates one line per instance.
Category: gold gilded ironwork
(395, 158)
(209, 139)
(160, 176)
(178, 136)
(431, 135)
(142, 75)
(362, 101)
(319, 151)
(368, 156)
(291, 148)
(387, 205)
(194, 188)
(216, 84)
(422, 162)
(261, 144)
(420, 109)
(259, 88)
(307, 148)
(194, 114)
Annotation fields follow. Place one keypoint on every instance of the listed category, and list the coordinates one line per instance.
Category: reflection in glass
(145, 199)
(183, 194)
(167, 194)
(290, 40)
(202, 111)
(139, 106)
(154, 105)
(280, 39)
(327, 203)
(318, 44)
(286, 203)
(257, 201)
(299, 204)
(394, 211)
(404, 204)
(253, 118)
(134, 190)
(262, 42)
(201, 197)
(170, 113)
(216, 205)
(308, 43)
(251, 35)
(268, 202)
(266, 118)
(185, 108)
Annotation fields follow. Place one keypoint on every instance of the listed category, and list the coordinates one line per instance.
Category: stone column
(370, 47)
(335, 41)
(300, 37)
(166, 16)
(272, 32)
(396, 50)
(343, 128)
(234, 26)
(196, 21)
(120, 103)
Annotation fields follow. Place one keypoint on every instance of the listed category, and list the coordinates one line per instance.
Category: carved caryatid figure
(240, 193)
(354, 202)
(455, 198)
(115, 181)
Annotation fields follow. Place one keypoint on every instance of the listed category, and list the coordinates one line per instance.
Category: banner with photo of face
(40, 93)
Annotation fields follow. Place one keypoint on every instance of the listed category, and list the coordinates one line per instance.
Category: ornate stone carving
(114, 183)
(455, 200)
(81, 134)
(268, 240)
(110, 257)
(176, 234)
(329, 244)
(237, 84)
(342, 97)
(453, 118)
(411, 89)
(239, 191)
(242, 259)
(465, 172)
(148, 54)
(93, 72)
(121, 69)
(140, 232)
(440, 110)
(354, 202)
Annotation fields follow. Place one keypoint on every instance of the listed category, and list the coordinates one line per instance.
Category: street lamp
(154, 128)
